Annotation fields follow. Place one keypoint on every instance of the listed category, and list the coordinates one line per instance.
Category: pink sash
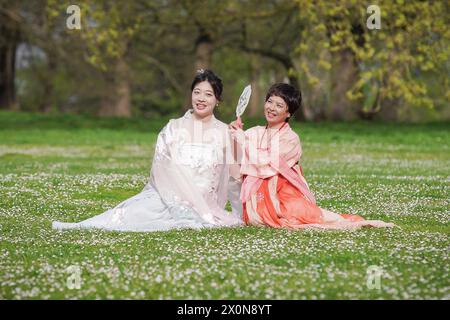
(251, 184)
(292, 176)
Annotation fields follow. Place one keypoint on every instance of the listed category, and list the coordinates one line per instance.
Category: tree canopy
(138, 57)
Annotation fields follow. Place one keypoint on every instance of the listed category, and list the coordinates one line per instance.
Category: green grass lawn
(70, 168)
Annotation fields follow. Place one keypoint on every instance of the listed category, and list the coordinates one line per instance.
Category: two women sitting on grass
(195, 172)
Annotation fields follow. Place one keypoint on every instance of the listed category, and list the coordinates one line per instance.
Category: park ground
(69, 168)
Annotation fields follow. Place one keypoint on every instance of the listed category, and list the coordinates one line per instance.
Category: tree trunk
(47, 81)
(118, 104)
(299, 115)
(344, 74)
(389, 110)
(343, 77)
(8, 45)
(256, 105)
(203, 53)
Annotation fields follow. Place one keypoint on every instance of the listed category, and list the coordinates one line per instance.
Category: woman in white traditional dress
(192, 175)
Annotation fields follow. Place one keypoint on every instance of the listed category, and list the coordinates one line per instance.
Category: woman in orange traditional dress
(274, 191)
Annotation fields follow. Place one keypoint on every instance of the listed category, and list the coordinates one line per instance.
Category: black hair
(289, 94)
(212, 78)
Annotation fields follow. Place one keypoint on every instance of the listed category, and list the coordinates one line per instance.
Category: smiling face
(203, 99)
(276, 111)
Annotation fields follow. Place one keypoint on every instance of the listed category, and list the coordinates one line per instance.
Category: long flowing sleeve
(234, 192)
(264, 162)
(172, 180)
(231, 179)
(291, 149)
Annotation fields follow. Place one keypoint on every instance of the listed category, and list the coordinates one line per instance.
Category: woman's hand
(236, 131)
(236, 124)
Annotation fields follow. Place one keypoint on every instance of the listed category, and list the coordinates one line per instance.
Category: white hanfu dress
(192, 177)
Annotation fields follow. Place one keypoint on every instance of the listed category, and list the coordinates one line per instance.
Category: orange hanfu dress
(274, 191)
